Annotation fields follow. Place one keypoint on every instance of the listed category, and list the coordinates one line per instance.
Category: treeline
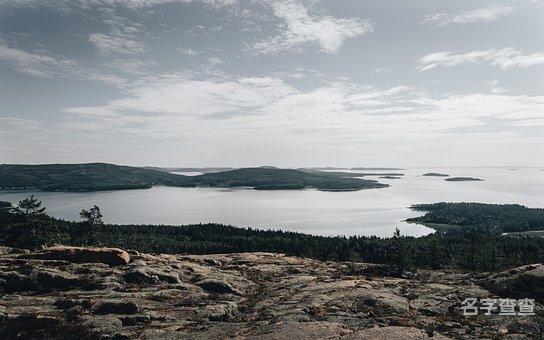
(471, 247)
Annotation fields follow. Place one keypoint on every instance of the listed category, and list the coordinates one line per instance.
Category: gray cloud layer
(287, 82)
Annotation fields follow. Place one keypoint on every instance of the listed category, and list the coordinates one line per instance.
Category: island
(499, 218)
(435, 174)
(375, 168)
(103, 176)
(202, 170)
(390, 177)
(353, 174)
(463, 179)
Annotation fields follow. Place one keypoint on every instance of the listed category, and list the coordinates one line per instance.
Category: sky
(420, 83)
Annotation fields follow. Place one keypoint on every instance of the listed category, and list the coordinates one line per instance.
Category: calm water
(366, 212)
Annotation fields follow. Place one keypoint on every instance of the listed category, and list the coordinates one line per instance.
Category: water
(366, 212)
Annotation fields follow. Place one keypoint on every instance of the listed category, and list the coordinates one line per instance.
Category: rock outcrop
(518, 283)
(111, 256)
(91, 293)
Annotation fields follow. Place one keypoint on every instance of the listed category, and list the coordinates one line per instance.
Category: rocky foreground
(98, 293)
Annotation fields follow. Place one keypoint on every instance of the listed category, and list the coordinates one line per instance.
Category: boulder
(115, 307)
(12, 281)
(522, 282)
(223, 312)
(109, 256)
(49, 278)
(144, 275)
(218, 286)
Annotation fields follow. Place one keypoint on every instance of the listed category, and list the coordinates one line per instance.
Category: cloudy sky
(275, 82)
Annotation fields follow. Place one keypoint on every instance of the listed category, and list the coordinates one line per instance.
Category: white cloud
(299, 28)
(215, 60)
(223, 110)
(107, 44)
(477, 15)
(382, 69)
(67, 5)
(48, 66)
(180, 95)
(19, 123)
(506, 58)
(150, 3)
(39, 65)
(187, 51)
(494, 87)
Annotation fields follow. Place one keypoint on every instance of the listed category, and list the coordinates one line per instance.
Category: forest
(102, 176)
(499, 218)
(473, 241)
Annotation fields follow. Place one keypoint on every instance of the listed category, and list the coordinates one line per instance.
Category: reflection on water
(366, 212)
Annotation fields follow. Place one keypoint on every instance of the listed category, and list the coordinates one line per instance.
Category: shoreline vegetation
(469, 236)
(103, 176)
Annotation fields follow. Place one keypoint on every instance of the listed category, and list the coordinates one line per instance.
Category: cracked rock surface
(100, 293)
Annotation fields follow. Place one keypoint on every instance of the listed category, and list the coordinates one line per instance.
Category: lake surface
(365, 212)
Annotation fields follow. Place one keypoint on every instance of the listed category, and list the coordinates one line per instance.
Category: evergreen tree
(398, 255)
(93, 223)
(30, 208)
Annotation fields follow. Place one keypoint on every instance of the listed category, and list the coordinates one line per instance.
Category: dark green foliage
(483, 217)
(100, 176)
(92, 225)
(82, 177)
(30, 208)
(470, 247)
(398, 254)
(92, 216)
(5, 205)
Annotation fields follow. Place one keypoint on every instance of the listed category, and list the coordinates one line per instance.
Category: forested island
(469, 236)
(463, 179)
(102, 176)
(435, 174)
(375, 168)
(500, 218)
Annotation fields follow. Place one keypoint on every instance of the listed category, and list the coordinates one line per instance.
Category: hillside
(82, 177)
(101, 293)
(267, 178)
(102, 176)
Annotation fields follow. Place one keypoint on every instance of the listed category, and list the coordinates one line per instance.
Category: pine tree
(93, 223)
(398, 255)
(30, 208)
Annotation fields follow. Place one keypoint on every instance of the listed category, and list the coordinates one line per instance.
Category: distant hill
(435, 174)
(102, 176)
(353, 174)
(463, 179)
(266, 178)
(203, 170)
(82, 177)
(379, 169)
(322, 168)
